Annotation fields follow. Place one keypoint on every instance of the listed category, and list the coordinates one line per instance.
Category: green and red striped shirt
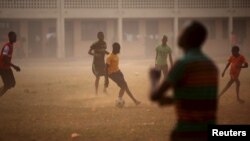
(195, 81)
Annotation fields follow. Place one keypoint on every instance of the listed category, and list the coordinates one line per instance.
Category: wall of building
(112, 10)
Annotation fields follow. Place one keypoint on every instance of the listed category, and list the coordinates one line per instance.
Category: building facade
(66, 28)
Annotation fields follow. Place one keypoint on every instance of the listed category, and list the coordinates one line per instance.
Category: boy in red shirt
(237, 61)
(5, 64)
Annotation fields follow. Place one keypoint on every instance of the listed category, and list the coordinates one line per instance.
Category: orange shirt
(113, 62)
(236, 63)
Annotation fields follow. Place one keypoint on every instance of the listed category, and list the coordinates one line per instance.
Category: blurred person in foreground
(194, 79)
(237, 62)
(6, 64)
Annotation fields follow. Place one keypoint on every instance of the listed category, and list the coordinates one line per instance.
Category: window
(241, 3)
(240, 29)
(147, 4)
(48, 4)
(130, 31)
(203, 3)
(207, 22)
(91, 28)
(210, 25)
(91, 3)
(225, 31)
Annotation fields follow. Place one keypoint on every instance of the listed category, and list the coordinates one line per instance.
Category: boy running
(162, 52)
(6, 64)
(98, 51)
(114, 73)
(237, 61)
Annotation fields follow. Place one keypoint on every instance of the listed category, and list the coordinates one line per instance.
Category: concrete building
(66, 28)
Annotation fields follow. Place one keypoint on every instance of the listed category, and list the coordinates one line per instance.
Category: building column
(24, 37)
(176, 31)
(120, 23)
(230, 29)
(143, 34)
(230, 24)
(110, 32)
(60, 30)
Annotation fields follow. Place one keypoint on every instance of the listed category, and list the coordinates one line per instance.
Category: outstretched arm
(223, 73)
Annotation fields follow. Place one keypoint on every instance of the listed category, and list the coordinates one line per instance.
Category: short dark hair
(165, 36)
(193, 35)
(11, 33)
(235, 48)
(116, 47)
(99, 33)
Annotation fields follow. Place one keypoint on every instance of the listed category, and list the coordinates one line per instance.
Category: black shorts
(8, 78)
(118, 78)
(98, 69)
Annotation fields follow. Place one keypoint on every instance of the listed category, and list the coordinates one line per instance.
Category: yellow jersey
(113, 62)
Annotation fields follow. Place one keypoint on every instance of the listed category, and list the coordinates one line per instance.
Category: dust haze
(54, 98)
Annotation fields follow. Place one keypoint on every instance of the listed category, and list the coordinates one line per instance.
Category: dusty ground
(53, 101)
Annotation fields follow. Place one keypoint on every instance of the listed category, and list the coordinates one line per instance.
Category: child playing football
(113, 72)
(237, 61)
(98, 51)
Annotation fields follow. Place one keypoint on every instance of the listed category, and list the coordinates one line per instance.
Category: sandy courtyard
(54, 100)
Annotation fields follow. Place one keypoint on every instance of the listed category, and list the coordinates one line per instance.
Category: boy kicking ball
(237, 61)
(113, 72)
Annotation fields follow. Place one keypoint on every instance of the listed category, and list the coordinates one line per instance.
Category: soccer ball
(119, 103)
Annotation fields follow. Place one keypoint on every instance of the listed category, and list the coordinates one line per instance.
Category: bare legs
(97, 85)
(125, 88)
(165, 73)
(238, 91)
(230, 82)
